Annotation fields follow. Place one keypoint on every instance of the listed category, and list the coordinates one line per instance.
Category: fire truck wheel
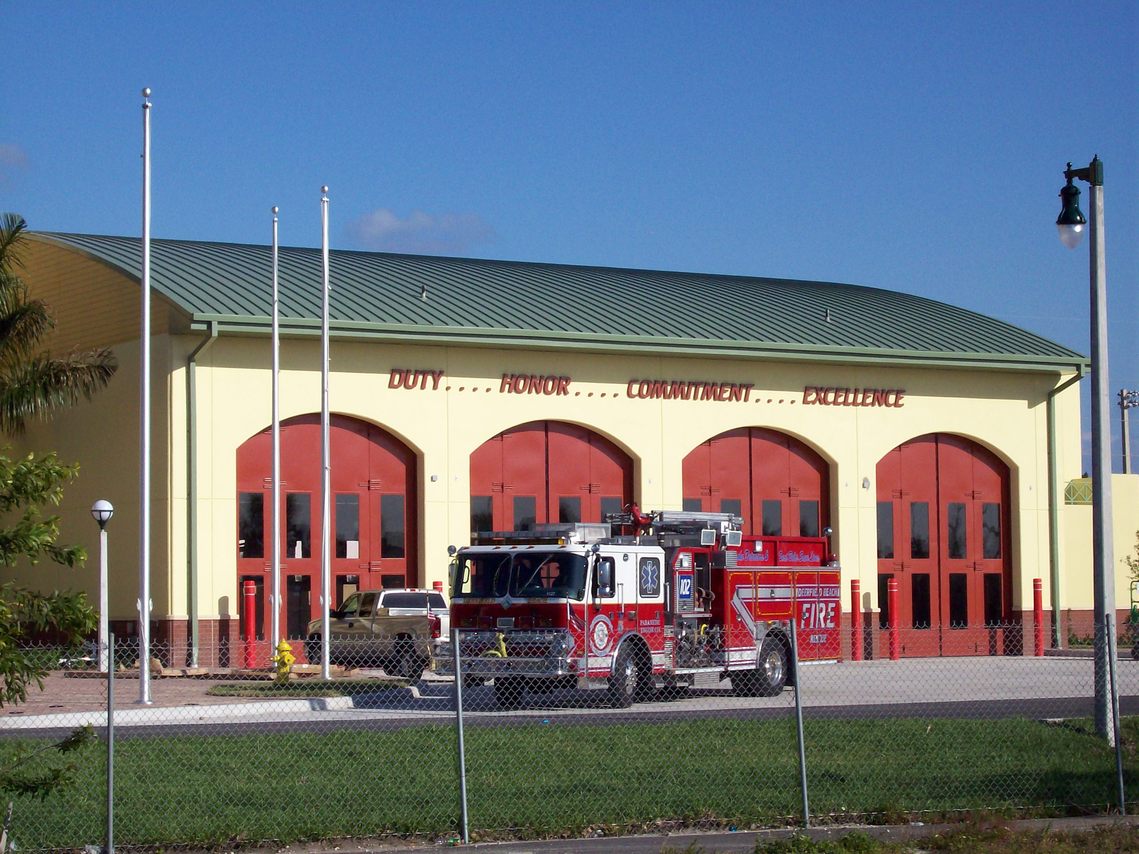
(625, 683)
(771, 675)
(768, 679)
(508, 691)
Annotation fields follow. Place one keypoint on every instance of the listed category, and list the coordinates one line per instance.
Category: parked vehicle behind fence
(666, 597)
(385, 628)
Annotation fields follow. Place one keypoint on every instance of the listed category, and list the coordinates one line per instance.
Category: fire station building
(941, 446)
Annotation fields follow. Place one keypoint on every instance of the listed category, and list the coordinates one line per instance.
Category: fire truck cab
(669, 596)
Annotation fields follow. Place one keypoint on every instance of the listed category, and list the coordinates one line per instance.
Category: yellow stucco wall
(1076, 591)
(1006, 413)
(102, 436)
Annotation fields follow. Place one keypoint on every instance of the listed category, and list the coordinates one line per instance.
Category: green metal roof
(508, 303)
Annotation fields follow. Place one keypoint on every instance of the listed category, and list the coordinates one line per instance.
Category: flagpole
(326, 466)
(275, 575)
(144, 425)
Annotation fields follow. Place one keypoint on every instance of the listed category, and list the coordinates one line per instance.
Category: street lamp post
(102, 511)
(1071, 224)
(1127, 400)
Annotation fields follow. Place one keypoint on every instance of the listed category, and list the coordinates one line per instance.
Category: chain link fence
(231, 755)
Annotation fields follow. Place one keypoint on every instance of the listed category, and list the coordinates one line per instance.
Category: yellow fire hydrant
(284, 661)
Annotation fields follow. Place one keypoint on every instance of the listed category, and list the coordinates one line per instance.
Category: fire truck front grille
(527, 654)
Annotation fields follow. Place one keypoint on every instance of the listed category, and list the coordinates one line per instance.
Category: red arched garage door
(776, 483)
(547, 472)
(373, 506)
(943, 534)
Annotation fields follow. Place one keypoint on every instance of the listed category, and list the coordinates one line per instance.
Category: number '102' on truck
(639, 602)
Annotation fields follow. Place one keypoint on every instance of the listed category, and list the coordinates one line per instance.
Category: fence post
(855, 620)
(892, 596)
(1109, 637)
(110, 849)
(1038, 617)
(249, 614)
(799, 722)
(463, 816)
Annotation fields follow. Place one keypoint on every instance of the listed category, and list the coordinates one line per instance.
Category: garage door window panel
(808, 518)
(569, 510)
(920, 600)
(991, 531)
(885, 530)
(348, 526)
(298, 525)
(956, 531)
(393, 527)
(958, 600)
(251, 525)
(482, 514)
(525, 512)
(772, 517)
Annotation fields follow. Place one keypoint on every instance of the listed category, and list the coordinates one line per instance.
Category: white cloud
(420, 233)
(12, 159)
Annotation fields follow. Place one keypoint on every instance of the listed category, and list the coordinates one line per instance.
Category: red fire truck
(640, 601)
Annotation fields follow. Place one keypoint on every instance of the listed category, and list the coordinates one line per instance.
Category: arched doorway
(943, 535)
(547, 472)
(775, 482)
(373, 515)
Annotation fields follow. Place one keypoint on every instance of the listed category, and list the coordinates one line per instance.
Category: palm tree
(34, 384)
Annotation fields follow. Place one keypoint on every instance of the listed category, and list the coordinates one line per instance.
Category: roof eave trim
(593, 343)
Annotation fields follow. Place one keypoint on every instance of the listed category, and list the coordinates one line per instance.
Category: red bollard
(855, 620)
(248, 614)
(1038, 616)
(892, 595)
(437, 586)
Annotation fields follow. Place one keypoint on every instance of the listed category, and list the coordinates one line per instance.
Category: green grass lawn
(551, 778)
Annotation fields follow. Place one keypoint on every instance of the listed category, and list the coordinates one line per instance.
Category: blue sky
(915, 146)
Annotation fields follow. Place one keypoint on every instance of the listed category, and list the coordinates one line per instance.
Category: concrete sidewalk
(71, 698)
(70, 694)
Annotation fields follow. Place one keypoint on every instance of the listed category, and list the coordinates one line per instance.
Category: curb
(153, 715)
(1123, 653)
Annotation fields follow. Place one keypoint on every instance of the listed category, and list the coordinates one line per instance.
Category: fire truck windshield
(529, 574)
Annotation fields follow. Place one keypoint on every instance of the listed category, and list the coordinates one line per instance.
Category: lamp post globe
(1071, 221)
(102, 511)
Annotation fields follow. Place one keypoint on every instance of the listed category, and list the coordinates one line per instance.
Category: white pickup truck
(407, 600)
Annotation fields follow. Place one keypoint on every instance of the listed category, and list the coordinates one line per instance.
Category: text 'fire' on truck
(639, 602)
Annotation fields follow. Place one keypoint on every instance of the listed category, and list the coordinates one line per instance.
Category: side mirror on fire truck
(829, 558)
(604, 578)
